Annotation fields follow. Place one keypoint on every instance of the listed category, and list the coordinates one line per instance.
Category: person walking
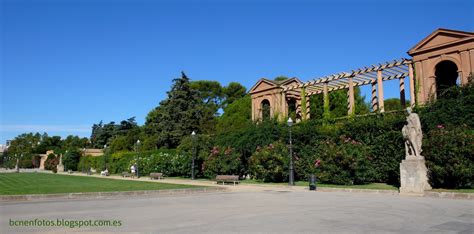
(133, 170)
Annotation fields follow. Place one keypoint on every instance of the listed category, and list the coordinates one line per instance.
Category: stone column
(380, 91)
(412, 85)
(374, 97)
(350, 94)
(284, 107)
(308, 107)
(326, 100)
(402, 92)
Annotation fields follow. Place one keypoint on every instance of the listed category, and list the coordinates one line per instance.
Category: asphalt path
(270, 210)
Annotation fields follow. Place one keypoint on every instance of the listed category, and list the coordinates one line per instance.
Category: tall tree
(176, 116)
(232, 92)
(237, 115)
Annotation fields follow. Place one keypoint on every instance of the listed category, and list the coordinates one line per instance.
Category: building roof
(439, 38)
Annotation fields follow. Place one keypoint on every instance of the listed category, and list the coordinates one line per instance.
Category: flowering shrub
(449, 154)
(222, 161)
(51, 163)
(170, 164)
(341, 161)
(270, 163)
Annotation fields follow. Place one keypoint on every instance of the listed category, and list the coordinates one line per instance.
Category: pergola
(373, 75)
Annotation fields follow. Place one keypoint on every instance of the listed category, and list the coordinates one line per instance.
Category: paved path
(240, 187)
(272, 210)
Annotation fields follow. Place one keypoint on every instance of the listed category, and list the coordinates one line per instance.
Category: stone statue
(413, 171)
(412, 135)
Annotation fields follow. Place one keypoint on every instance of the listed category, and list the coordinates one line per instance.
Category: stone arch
(446, 74)
(266, 109)
(292, 104)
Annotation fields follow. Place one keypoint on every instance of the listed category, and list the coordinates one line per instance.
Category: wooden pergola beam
(350, 102)
(360, 83)
(353, 73)
(380, 91)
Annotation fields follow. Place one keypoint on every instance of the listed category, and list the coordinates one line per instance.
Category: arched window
(265, 105)
(292, 108)
(446, 73)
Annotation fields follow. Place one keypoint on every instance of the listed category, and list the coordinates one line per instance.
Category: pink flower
(317, 163)
(440, 126)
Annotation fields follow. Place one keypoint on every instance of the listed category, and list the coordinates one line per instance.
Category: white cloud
(44, 128)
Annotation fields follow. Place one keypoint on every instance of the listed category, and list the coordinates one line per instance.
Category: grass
(41, 183)
(454, 190)
(306, 183)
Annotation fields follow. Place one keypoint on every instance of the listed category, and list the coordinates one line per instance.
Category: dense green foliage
(27, 146)
(448, 144)
(71, 159)
(222, 161)
(337, 104)
(270, 163)
(168, 162)
(237, 115)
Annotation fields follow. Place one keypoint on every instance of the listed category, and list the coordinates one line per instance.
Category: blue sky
(68, 64)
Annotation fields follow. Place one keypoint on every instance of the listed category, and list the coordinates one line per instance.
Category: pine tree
(176, 116)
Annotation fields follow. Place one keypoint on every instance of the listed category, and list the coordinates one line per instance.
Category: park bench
(227, 179)
(126, 174)
(156, 176)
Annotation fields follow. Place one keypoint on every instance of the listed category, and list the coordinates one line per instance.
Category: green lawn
(454, 190)
(41, 183)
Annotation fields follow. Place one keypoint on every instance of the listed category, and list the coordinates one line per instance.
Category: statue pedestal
(60, 167)
(413, 176)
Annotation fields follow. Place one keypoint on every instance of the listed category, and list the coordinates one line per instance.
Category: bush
(71, 160)
(169, 163)
(26, 162)
(382, 135)
(270, 163)
(51, 163)
(201, 145)
(449, 157)
(222, 161)
(342, 161)
(88, 162)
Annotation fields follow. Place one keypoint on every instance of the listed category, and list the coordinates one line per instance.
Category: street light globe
(138, 141)
(290, 122)
(193, 133)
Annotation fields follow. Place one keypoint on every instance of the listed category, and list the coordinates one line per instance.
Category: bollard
(312, 182)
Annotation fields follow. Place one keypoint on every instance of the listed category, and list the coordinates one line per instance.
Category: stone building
(443, 59)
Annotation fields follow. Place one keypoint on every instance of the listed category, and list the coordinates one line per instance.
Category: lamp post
(105, 157)
(291, 179)
(84, 155)
(65, 161)
(193, 135)
(136, 151)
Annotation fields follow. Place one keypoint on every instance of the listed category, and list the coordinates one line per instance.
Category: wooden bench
(227, 179)
(126, 174)
(156, 176)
